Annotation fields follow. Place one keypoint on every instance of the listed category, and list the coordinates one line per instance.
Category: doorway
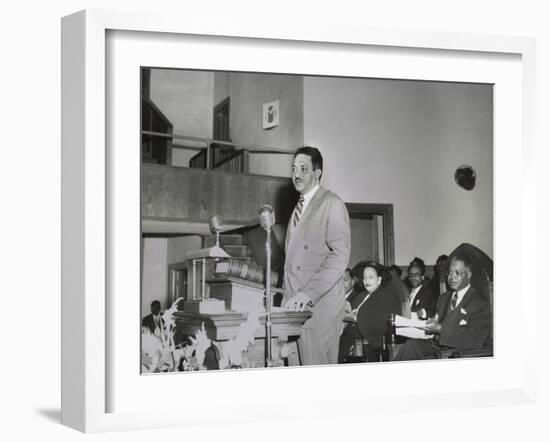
(177, 282)
(221, 133)
(221, 120)
(372, 233)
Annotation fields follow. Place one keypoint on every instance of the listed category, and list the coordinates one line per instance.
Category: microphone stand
(268, 298)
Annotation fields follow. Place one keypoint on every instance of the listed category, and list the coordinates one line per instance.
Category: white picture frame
(87, 213)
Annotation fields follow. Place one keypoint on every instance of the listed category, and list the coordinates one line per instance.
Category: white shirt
(413, 294)
(460, 294)
(308, 196)
(156, 320)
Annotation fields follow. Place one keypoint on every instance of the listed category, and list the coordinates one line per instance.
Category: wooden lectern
(226, 297)
(286, 327)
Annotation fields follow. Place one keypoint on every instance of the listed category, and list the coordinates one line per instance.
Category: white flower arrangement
(159, 354)
(158, 349)
(233, 352)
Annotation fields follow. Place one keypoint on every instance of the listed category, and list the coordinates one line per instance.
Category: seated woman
(368, 312)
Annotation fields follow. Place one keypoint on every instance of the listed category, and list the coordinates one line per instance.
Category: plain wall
(181, 156)
(248, 92)
(400, 142)
(154, 274)
(158, 254)
(186, 99)
(179, 246)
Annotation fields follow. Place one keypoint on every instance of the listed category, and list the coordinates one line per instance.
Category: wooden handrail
(183, 146)
(209, 141)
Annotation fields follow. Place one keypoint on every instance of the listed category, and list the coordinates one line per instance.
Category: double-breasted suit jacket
(317, 253)
(468, 325)
(425, 299)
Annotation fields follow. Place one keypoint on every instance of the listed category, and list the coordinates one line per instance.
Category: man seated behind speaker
(422, 299)
(154, 319)
(462, 319)
(351, 287)
(402, 290)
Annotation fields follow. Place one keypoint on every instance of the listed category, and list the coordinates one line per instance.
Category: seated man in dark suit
(462, 319)
(349, 285)
(153, 320)
(422, 298)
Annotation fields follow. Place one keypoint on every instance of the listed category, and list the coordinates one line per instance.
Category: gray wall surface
(384, 141)
(400, 142)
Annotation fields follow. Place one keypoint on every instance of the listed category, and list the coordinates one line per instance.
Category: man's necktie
(298, 211)
(454, 300)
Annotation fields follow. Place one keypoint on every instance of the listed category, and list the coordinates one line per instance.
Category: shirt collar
(308, 196)
(460, 294)
(414, 292)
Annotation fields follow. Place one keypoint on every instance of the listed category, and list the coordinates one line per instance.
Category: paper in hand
(401, 321)
(410, 328)
(412, 332)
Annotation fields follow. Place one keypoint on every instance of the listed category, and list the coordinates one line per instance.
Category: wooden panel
(194, 195)
(223, 326)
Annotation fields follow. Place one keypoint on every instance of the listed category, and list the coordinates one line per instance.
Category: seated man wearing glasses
(462, 319)
(422, 299)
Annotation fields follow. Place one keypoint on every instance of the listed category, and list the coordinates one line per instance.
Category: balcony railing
(154, 149)
(215, 154)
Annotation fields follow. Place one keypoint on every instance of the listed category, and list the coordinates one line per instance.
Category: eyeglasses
(455, 273)
(415, 275)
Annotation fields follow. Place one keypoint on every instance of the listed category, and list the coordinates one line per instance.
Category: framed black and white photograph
(410, 220)
(359, 238)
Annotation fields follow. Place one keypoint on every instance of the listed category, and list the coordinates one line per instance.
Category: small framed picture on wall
(270, 114)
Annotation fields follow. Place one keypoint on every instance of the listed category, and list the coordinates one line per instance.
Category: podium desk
(286, 327)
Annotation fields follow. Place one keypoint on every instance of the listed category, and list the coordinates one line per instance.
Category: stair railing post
(245, 161)
(208, 154)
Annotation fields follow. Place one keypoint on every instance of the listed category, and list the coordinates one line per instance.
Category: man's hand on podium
(298, 302)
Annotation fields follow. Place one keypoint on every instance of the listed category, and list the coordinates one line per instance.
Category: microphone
(216, 224)
(267, 216)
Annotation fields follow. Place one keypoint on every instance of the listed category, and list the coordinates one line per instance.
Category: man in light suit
(462, 319)
(318, 244)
